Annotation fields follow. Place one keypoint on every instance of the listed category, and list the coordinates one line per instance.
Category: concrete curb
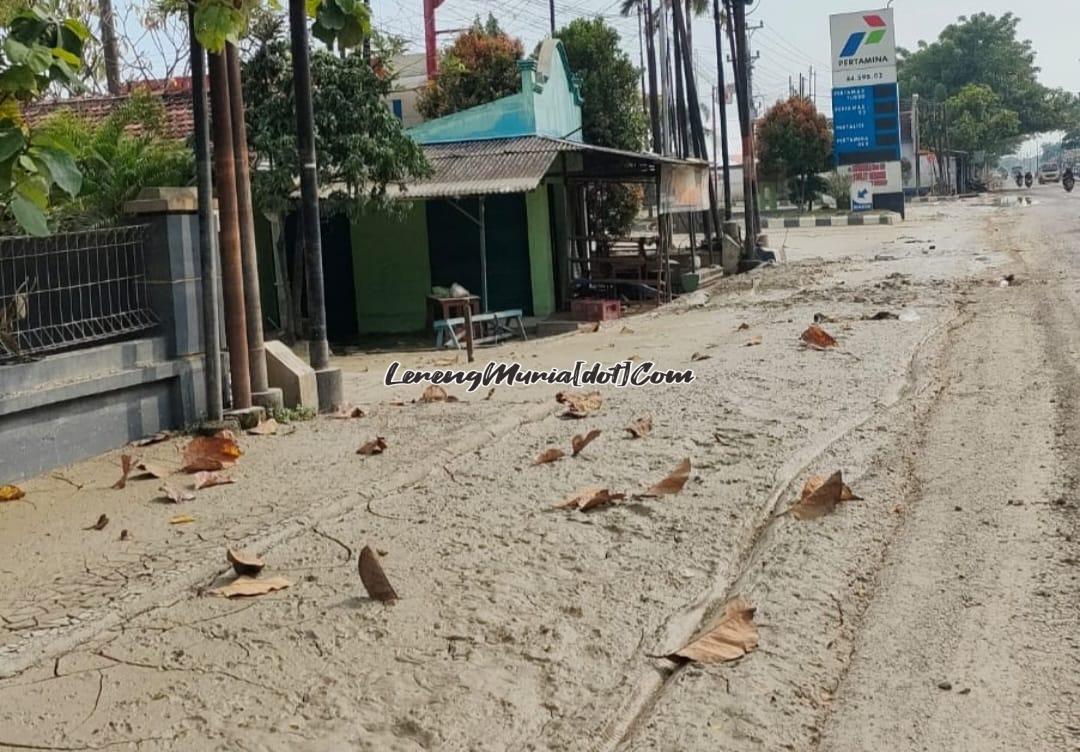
(940, 199)
(843, 220)
(179, 588)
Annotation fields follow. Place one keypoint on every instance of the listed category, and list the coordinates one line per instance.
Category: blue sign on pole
(866, 124)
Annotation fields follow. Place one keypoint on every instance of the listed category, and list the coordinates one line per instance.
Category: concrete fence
(103, 343)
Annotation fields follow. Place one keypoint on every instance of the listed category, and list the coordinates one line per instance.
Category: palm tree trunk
(110, 49)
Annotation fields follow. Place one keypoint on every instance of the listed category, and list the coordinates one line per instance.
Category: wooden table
(442, 309)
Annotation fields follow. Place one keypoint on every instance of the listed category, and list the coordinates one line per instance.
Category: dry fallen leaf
(245, 587)
(397, 403)
(208, 453)
(209, 480)
(348, 413)
(435, 393)
(743, 327)
(733, 636)
(126, 463)
(268, 427)
(375, 446)
(674, 482)
(124, 534)
(245, 563)
(578, 404)
(11, 493)
(490, 394)
(374, 578)
(156, 471)
(102, 521)
(634, 358)
(626, 330)
(589, 498)
(817, 337)
(640, 428)
(754, 341)
(156, 438)
(182, 519)
(817, 481)
(549, 455)
(820, 497)
(581, 441)
(699, 356)
(176, 496)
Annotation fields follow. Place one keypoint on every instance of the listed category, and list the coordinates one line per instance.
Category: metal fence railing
(70, 289)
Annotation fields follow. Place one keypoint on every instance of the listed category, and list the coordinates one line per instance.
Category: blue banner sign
(866, 124)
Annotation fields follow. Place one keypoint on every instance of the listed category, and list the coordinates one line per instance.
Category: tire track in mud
(652, 681)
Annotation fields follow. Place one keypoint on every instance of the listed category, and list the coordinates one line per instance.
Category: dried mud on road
(521, 626)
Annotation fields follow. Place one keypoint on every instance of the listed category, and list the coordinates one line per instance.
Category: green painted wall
(540, 252)
(393, 276)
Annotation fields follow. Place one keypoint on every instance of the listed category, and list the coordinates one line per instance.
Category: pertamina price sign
(866, 103)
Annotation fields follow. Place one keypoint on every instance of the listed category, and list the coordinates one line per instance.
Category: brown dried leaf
(754, 341)
(640, 428)
(126, 463)
(817, 481)
(579, 404)
(818, 338)
(209, 480)
(268, 427)
(674, 482)
(176, 496)
(820, 497)
(589, 498)
(11, 493)
(348, 413)
(434, 393)
(397, 403)
(155, 471)
(208, 453)
(626, 330)
(490, 394)
(549, 455)
(743, 327)
(246, 587)
(375, 446)
(124, 535)
(101, 523)
(581, 441)
(734, 636)
(245, 563)
(182, 519)
(374, 578)
(699, 356)
(156, 438)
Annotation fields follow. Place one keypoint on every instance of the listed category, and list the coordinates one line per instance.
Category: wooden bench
(492, 326)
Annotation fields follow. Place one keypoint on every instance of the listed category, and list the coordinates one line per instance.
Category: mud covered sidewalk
(519, 626)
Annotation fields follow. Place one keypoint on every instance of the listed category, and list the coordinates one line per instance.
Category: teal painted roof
(549, 104)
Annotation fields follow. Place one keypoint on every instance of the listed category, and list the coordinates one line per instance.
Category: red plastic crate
(596, 310)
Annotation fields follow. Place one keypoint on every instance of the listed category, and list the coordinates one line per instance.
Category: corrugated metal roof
(472, 168)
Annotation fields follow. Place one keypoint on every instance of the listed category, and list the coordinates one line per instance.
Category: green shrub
(839, 188)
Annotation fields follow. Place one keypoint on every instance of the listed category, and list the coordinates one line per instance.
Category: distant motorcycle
(1028, 179)
(1067, 180)
(1019, 179)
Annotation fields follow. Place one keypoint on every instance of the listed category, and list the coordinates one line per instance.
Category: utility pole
(232, 265)
(551, 7)
(208, 258)
(915, 142)
(741, 61)
(722, 98)
(665, 81)
(328, 379)
(641, 59)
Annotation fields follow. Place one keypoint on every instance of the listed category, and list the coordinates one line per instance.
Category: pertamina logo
(860, 40)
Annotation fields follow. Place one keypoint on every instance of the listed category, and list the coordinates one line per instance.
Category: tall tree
(794, 143)
(362, 148)
(985, 50)
(611, 114)
(480, 67)
(979, 122)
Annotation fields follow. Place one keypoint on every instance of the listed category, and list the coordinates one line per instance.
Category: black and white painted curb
(843, 220)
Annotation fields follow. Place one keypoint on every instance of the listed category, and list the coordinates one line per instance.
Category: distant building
(411, 72)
